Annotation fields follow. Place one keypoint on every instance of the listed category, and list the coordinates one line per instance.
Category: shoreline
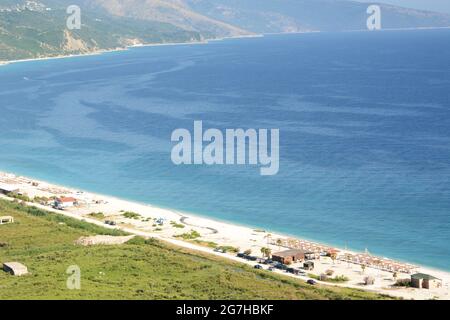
(126, 48)
(201, 42)
(221, 233)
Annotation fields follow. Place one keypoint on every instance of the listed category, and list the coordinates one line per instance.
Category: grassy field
(139, 269)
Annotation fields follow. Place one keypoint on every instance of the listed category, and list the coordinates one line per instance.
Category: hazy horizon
(431, 5)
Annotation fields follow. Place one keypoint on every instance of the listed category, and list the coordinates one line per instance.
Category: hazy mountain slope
(175, 12)
(26, 33)
(267, 16)
(32, 29)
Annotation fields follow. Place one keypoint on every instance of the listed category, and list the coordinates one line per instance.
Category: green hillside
(140, 269)
(40, 33)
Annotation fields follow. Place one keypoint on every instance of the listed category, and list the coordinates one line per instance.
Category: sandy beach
(169, 225)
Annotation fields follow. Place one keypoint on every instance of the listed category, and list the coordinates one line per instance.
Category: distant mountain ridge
(33, 29)
(268, 16)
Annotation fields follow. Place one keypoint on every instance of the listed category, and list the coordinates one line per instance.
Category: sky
(433, 5)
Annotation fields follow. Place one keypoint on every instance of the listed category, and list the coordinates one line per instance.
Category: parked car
(284, 267)
(281, 266)
(270, 269)
(268, 261)
(258, 266)
(251, 258)
(240, 255)
(290, 270)
(311, 282)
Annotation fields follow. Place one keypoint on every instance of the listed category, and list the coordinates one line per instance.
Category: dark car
(251, 258)
(290, 270)
(281, 266)
(268, 261)
(240, 255)
(311, 282)
(270, 269)
(258, 266)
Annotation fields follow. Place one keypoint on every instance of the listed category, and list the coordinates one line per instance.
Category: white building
(65, 202)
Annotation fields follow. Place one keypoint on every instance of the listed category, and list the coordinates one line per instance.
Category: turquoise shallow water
(364, 123)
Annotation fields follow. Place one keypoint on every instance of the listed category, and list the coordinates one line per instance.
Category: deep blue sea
(364, 123)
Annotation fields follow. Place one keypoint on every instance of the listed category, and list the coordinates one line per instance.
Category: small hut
(65, 202)
(15, 268)
(289, 256)
(425, 281)
(6, 220)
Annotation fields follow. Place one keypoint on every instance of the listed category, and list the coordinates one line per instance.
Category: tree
(266, 252)
(268, 237)
(363, 268)
(248, 252)
(263, 251)
(279, 243)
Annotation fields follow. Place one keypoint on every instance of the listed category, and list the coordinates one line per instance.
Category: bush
(131, 215)
(98, 215)
(21, 197)
(177, 225)
(208, 244)
(189, 236)
(341, 278)
(41, 200)
(228, 249)
(403, 283)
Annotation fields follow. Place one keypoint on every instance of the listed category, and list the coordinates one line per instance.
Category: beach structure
(425, 281)
(6, 188)
(15, 268)
(308, 265)
(160, 221)
(65, 202)
(369, 281)
(311, 248)
(289, 256)
(378, 263)
(309, 255)
(6, 220)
